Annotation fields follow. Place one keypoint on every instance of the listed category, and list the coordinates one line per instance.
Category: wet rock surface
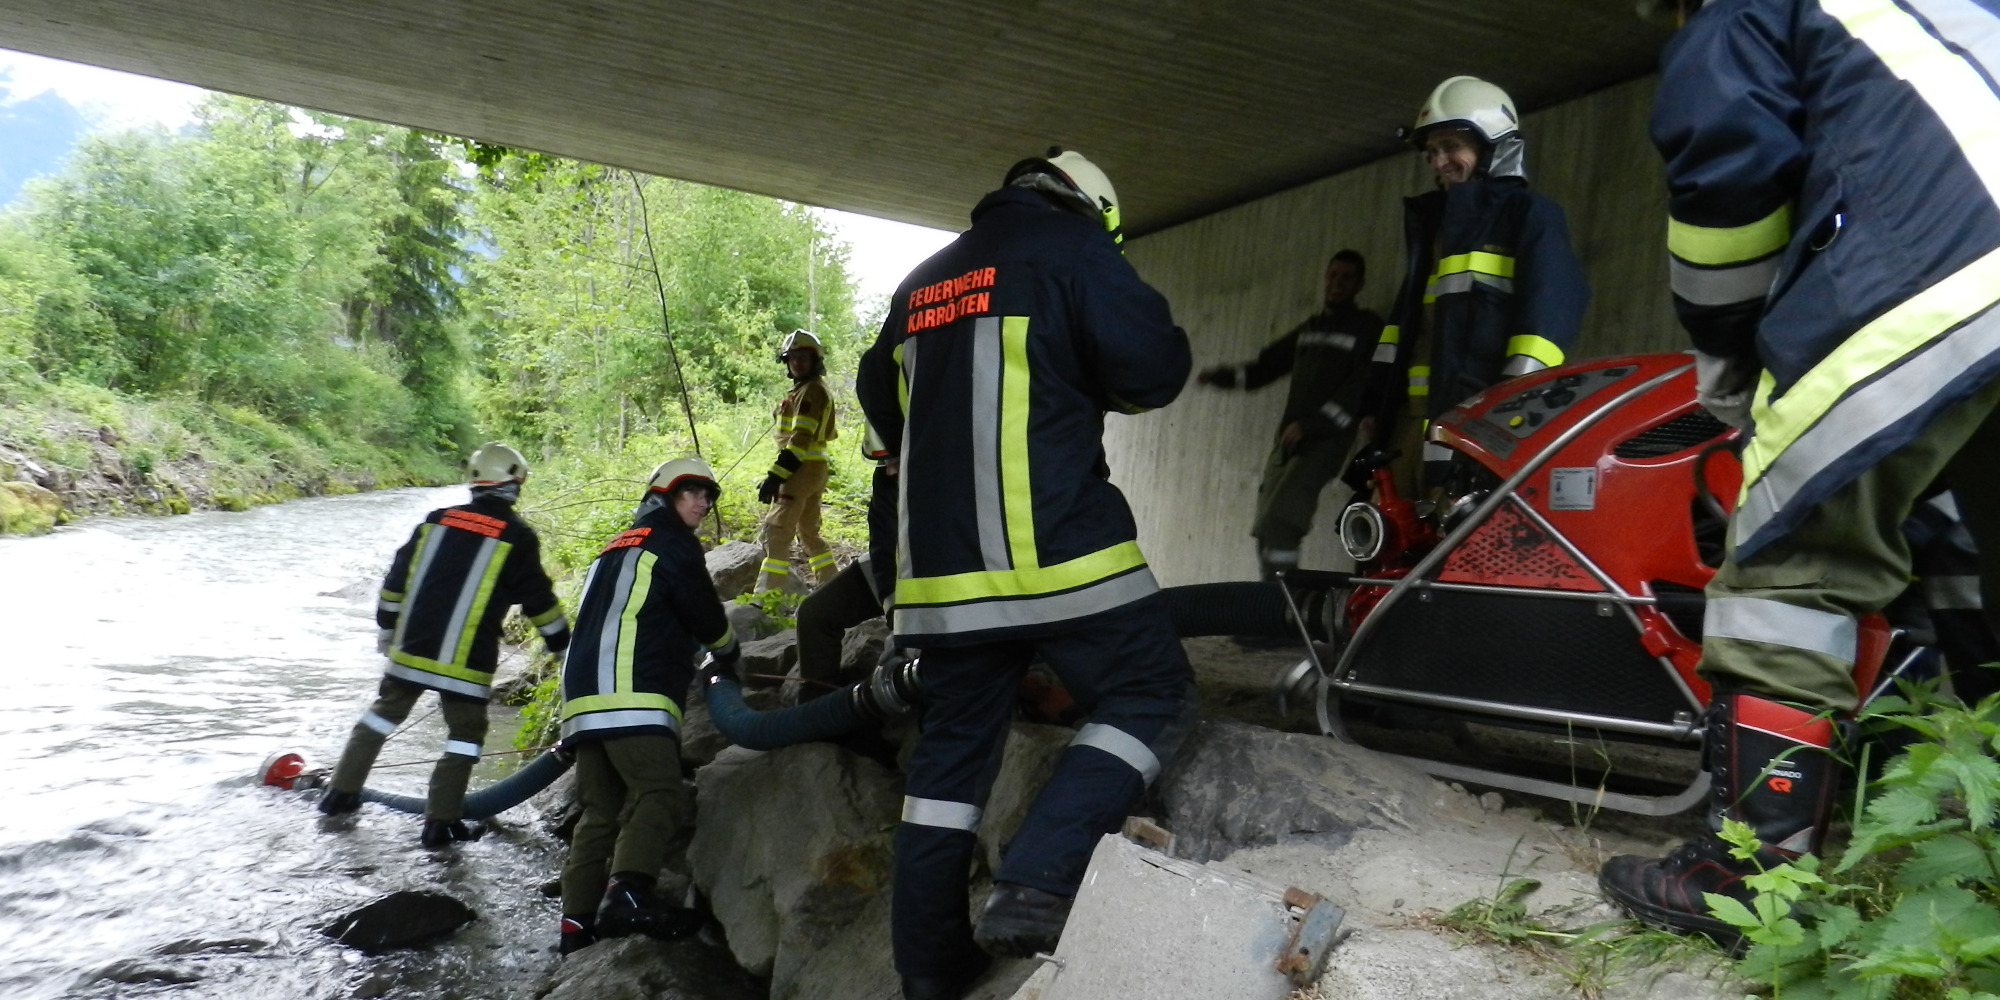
(400, 920)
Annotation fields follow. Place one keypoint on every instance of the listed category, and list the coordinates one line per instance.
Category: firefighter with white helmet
(1491, 288)
(798, 476)
(1012, 343)
(441, 632)
(648, 608)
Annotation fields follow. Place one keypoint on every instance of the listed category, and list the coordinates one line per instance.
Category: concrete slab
(1166, 929)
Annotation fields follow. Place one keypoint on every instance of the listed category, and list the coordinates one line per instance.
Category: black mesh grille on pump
(1692, 428)
(1518, 650)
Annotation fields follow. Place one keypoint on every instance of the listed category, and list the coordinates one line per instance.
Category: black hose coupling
(891, 691)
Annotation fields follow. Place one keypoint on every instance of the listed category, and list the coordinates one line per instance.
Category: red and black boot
(1772, 767)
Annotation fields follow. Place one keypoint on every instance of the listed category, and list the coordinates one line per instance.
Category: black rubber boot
(333, 803)
(630, 907)
(578, 933)
(445, 832)
(1772, 767)
(947, 987)
(1021, 921)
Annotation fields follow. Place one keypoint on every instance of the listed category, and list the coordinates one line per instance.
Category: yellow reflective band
(1880, 345)
(620, 700)
(628, 617)
(1947, 81)
(1391, 335)
(902, 380)
(777, 566)
(430, 666)
(728, 636)
(1017, 495)
(1730, 245)
(805, 422)
(1020, 582)
(1478, 262)
(393, 597)
(476, 610)
(1539, 348)
(554, 612)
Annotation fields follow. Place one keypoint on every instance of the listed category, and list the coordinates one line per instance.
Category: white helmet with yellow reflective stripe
(1467, 102)
(1086, 183)
(494, 463)
(679, 473)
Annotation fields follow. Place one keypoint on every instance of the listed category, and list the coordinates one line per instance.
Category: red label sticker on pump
(1573, 489)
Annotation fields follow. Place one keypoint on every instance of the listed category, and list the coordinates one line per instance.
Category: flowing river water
(152, 664)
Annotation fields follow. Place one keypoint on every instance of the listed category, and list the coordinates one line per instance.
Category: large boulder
(861, 648)
(400, 920)
(640, 968)
(1236, 786)
(733, 566)
(27, 509)
(749, 621)
(792, 848)
(766, 662)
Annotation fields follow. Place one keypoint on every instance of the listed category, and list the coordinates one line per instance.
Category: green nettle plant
(1912, 908)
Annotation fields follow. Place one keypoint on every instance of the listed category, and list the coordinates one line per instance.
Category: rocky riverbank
(791, 855)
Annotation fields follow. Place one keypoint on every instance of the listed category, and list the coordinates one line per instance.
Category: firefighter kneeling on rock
(1015, 543)
(442, 601)
(648, 608)
(1835, 256)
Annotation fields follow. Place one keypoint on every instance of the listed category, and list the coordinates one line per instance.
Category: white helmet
(799, 340)
(493, 463)
(673, 474)
(1083, 176)
(1467, 102)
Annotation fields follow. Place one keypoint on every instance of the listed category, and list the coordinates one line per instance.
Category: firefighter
(1840, 290)
(1491, 289)
(648, 607)
(798, 477)
(1325, 355)
(442, 601)
(990, 378)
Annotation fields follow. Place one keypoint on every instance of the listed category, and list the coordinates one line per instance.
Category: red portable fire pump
(1558, 590)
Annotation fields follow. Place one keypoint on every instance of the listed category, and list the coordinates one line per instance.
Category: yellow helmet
(493, 463)
(679, 472)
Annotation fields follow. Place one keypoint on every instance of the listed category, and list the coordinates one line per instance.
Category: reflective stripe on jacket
(804, 426)
(1834, 174)
(1488, 274)
(648, 608)
(1005, 349)
(450, 586)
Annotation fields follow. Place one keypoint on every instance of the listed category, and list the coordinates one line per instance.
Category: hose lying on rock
(1197, 610)
(497, 797)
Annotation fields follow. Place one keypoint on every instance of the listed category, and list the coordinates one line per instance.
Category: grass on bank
(1910, 909)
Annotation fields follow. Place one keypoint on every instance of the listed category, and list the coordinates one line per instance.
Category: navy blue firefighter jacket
(1834, 179)
(1004, 350)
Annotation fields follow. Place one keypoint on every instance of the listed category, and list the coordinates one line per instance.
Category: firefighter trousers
(633, 806)
(795, 515)
(1127, 669)
(1288, 495)
(825, 616)
(1782, 623)
(465, 730)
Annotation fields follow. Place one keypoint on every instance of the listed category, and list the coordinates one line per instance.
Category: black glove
(717, 664)
(768, 491)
